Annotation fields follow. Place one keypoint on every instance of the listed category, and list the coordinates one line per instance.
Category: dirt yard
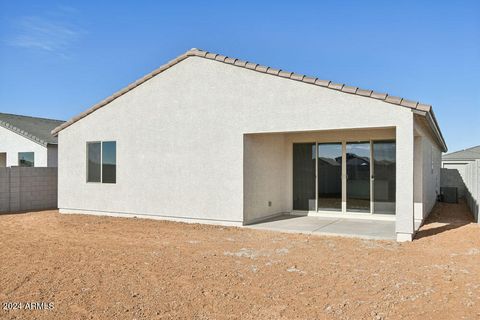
(112, 268)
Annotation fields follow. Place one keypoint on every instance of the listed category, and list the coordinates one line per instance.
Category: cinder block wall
(24, 189)
(4, 189)
(469, 181)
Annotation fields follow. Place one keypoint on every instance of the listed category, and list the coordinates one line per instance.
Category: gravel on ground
(91, 267)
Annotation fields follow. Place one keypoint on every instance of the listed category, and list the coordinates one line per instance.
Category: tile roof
(472, 153)
(35, 129)
(414, 105)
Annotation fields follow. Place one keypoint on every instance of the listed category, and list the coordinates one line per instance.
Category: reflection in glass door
(330, 176)
(358, 176)
(384, 177)
(304, 159)
(367, 185)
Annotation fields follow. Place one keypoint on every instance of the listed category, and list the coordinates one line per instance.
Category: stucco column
(418, 180)
(404, 225)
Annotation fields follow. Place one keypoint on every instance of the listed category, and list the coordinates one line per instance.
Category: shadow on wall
(444, 217)
(472, 202)
(468, 184)
(453, 178)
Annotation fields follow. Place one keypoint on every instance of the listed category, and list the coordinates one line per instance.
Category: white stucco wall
(266, 178)
(180, 140)
(418, 180)
(432, 164)
(13, 143)
(427, 171)
(52, 155)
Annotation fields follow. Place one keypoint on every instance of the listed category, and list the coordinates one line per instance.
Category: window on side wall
(26, 159)
(102, 162)
(109, 162)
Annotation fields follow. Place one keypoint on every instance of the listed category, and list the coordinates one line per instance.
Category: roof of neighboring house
(472, 153)
(418, 107)
(35, 129)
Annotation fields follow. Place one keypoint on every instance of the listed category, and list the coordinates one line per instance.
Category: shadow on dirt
(444, 217)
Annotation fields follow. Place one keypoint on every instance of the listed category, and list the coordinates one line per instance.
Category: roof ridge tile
(393, 99)
(363, 92)
(285, 74)
(409, 103)
(273, 71)
(323, 83)
(261, 68)
(308, 79)
(349, 89)
(297, 76)
(220, 58)
(264, 69)
(335, 86)
(378, 95)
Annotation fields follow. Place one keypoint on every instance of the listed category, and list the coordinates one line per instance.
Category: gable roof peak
(413, 105)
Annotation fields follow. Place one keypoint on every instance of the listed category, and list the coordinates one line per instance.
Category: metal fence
(24, 188)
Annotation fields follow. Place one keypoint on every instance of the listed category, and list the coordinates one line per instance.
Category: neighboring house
(455, 164)
(208, 138)
(27, 141)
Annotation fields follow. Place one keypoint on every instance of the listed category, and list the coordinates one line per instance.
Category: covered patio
(330, 226)
(331, 182)
(375, 182)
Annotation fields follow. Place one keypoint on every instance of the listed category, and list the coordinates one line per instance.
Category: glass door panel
(358, 176)
(304, 157)
(384, 167)
(330, 176)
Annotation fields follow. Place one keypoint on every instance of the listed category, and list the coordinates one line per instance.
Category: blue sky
(59, 58)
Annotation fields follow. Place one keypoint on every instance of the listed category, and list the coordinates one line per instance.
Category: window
(93, 167)
(102, 162)
(26, 159)
(109, 162)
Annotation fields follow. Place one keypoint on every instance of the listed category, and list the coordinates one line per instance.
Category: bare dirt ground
(112, 268)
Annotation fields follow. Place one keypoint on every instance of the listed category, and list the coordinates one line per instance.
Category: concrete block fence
(472, 184)
(469, 184)
(25, 188)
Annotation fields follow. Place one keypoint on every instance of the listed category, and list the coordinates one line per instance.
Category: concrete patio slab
(360, 228)
(292, 223)
(345, 227)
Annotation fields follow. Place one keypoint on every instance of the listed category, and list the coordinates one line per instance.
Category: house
(27, 141)
(208, 138)
(456, 164)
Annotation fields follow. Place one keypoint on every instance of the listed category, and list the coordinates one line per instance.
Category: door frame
(344, 213)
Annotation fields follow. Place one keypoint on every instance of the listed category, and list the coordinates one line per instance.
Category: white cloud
(52, 33)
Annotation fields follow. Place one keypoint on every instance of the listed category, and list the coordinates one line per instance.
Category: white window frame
(101, 161)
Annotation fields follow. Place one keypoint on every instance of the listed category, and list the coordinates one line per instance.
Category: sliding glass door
(358, 176)
(304, 160)
(329, 173)
(348, 177)
(384, 167)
